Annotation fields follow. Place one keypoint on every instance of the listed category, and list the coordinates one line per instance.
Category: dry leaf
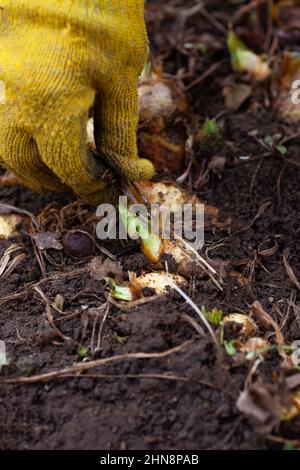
(267, 322)
(290, 272)
(100, 269)
(262, 405)
(216, 164)
(47, 240)
(236, 94)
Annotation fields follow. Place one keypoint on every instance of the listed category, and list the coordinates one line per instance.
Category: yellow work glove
(57, 59)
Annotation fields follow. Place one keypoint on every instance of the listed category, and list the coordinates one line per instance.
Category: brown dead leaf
(267, 322)
(235, 94)
(216, 164)
(47, 240)
(99, 269)
(262, 405)
(289, 270)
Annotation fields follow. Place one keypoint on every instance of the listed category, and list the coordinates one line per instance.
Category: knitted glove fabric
(58, 58)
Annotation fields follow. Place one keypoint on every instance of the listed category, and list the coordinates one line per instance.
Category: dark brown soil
(131, 404)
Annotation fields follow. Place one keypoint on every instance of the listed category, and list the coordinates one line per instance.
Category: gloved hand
(58, 58)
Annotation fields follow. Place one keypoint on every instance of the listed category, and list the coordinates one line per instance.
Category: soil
(186, 400)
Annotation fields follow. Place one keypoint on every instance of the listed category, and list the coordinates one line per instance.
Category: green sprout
(120, 339)
(119, 292)
(236, 49)
(82, 351)
(230, 347)
(273, 141)
(151, 243)
(245, 60)
(214, 316)
(211, 129)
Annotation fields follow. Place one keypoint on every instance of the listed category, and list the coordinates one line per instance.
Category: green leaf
(137, 228)
(82, 351)
(235, 46)
(120, 339)
(282, 149)
(119, 292)
(269, 140)
(211, 129)
(230, 347)
(214, 316)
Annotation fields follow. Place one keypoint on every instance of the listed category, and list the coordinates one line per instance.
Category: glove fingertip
(138, 170)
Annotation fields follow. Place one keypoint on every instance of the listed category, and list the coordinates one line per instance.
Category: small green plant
(137, 228)
(119, 292)
(230, 347)
(211, 129)
(82, 351)
(273, 141)
(214, 316)
(245, 60)
(120, 339)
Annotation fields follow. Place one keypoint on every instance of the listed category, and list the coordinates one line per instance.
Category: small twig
(289, 270)
(283, 440)
(77, 368)
(134, 303)
(181, 179)
(99, 339)
(288, 138)
(31, 286)
(260, 211)
(217, 25)
(247, 8)
(206, 74)
(254, 176)
(8, 209)
(50, 316)
(269, 34)
(4, 261)
(279, 183)
(195, 308)
(39, 256)
(14, 263)
(182, 12)
(291, 162)
(176, 378)
(193, 323)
